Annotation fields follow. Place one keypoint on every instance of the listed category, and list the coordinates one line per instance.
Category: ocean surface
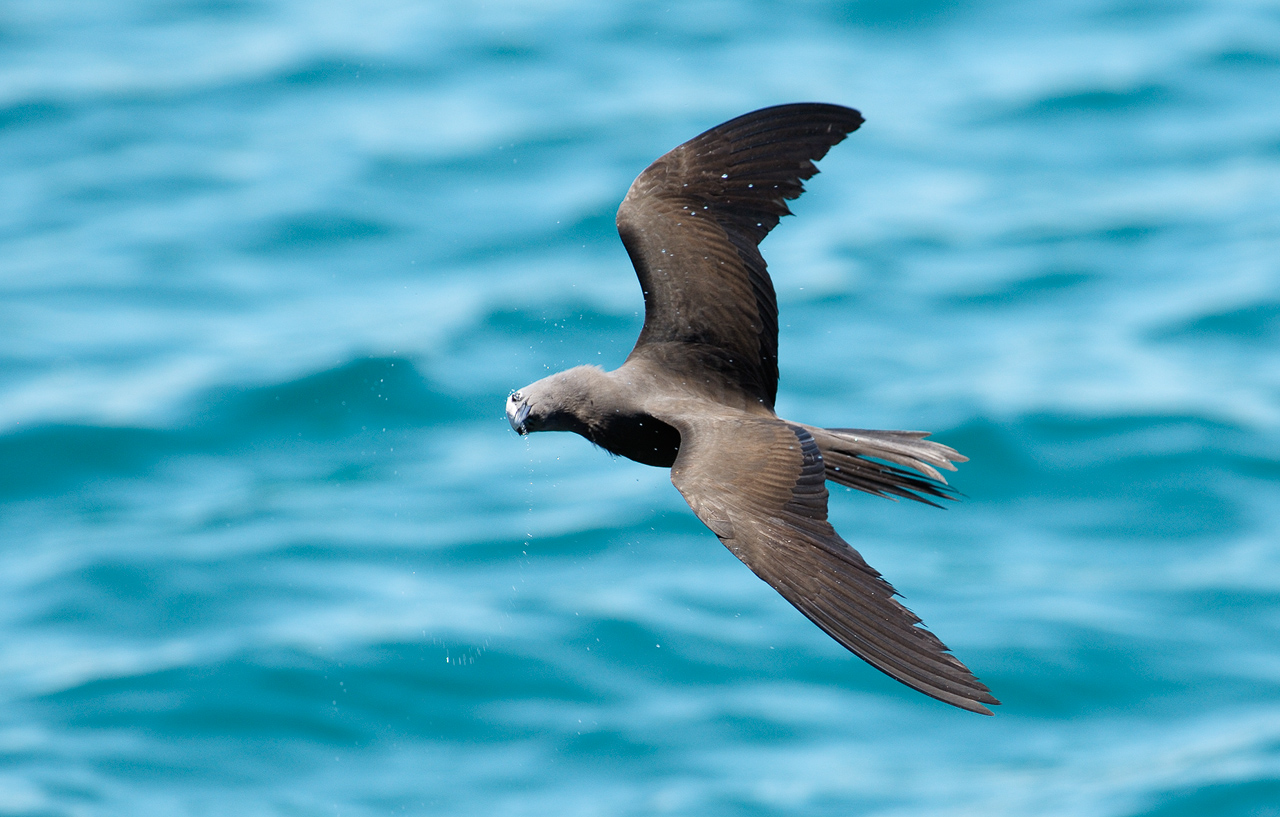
(270, 269)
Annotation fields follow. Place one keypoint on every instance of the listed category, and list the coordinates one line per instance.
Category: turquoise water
(268, 547)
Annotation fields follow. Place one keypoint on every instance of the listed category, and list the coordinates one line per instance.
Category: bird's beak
(516, 415)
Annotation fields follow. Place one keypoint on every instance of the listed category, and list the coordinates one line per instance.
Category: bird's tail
(882, 462)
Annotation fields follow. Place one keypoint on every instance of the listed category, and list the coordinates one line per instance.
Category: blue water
(270, 269)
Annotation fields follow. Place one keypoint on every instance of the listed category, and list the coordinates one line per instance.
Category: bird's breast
(639, 437)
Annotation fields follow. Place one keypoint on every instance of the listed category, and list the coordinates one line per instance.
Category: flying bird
(696, 394)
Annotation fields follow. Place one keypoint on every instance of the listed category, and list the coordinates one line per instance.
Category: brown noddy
(696, 393)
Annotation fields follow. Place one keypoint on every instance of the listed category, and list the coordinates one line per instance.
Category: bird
(696, 394)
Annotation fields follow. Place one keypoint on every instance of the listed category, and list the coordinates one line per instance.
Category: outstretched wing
(691, 223)
(760, 486)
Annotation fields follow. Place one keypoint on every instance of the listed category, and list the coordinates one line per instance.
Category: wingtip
(974, 704)
(982, 710)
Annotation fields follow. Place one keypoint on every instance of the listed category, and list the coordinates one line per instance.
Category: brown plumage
(696, 393)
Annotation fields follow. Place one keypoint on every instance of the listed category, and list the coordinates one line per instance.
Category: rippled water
(267, 546)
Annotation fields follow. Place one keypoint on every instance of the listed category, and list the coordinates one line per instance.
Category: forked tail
(883, 462)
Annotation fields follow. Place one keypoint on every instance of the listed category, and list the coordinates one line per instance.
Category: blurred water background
(270, 269)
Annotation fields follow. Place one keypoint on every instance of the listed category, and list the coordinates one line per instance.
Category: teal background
(270, 269)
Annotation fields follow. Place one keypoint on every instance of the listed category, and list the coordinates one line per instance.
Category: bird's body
(696, 393)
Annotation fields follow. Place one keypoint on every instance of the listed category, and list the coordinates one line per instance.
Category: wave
(330, 405)
(1254, 323)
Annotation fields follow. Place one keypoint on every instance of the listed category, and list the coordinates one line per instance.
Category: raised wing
(691, 223)
(760, 486)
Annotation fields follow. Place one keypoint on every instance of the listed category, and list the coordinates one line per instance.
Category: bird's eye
(517, 396)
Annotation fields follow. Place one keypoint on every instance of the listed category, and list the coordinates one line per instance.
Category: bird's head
(518, 411)
(560, 402)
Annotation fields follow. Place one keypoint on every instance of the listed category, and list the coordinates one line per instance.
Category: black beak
(517, 420)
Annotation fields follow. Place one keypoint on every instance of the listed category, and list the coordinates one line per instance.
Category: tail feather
(882, 462)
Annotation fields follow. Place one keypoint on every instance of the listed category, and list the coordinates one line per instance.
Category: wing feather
(761, 486)
(692, 223)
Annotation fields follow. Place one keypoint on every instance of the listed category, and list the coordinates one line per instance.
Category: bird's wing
(760, 486)
(691, 223)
